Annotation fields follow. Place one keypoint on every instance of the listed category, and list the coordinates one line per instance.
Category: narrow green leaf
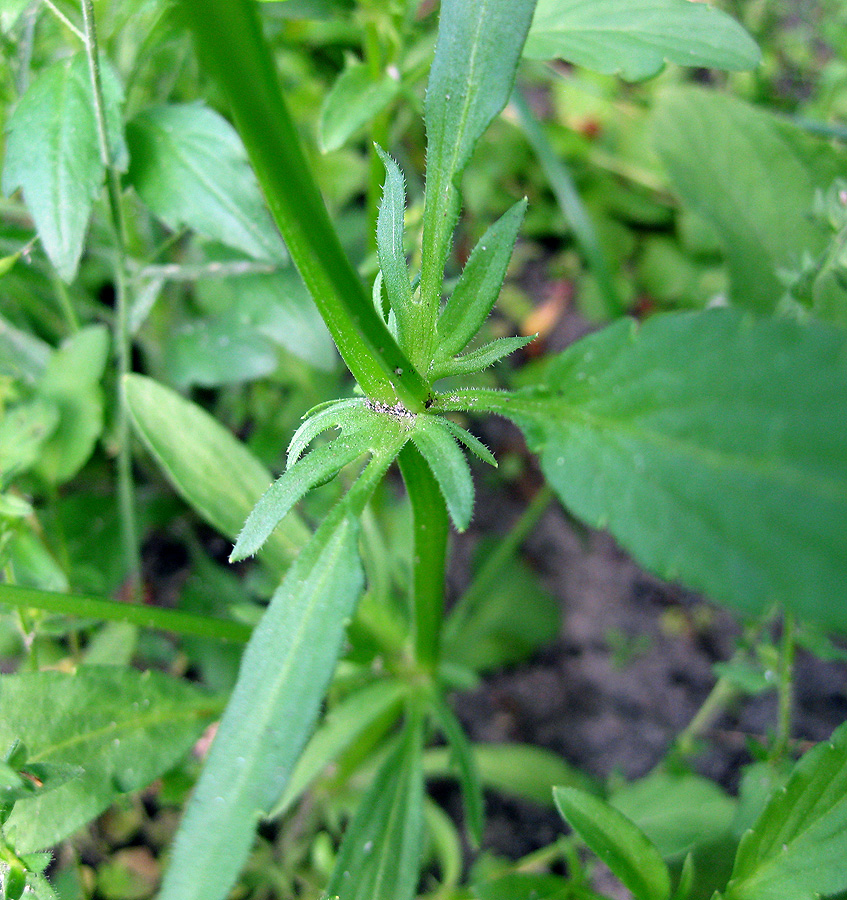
(462, 755)
(470, 441)
(344, 724)
(315, 468)
(53, 154)
(477, 52)
(354, 100)
(380, 856)
(336, 414)
(121, 727)
(389, 245)
(620, 843)
(798, 845)
(634, 39)
(479, 285)
(712, 447)
(145, 616)
(753, 177)
(479, 359)
(283, 677)
(71, 382)
(190, 168)
(210, 469)
(284, 673)
(449, 467)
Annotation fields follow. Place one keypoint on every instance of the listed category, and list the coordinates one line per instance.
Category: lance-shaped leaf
(119, 727)
(449, 467)
(190, 168)
(461, 753)
(798, 846)
(215, 473)
(284, 673)
(53, 153)
(380, 856)
(478, 48)
(711, 445)
(389, 244)
(479, 285)
(343, 726)
(314, 469)
(633, 39)
(472, 443)
(335, 414)
(366, 430)
(479, 359)
(618, 841)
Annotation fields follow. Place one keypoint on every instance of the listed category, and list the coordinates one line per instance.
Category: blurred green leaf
(798, 845)
(23, 431)
(189, 166)
(753, 177)
(212, 470)
(53, 154)
(121, 727)
(380, 856)
(71, 381)
(676, 812)
(355, 98)
(621, 844)
(519, 770)
(634, 40)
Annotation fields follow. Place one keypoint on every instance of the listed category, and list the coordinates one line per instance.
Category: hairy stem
(229, 37)
(784, 690)
(429, 555)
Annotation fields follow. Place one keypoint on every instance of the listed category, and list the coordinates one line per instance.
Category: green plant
(692, 437)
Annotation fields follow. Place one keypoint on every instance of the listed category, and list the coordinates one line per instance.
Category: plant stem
(494, 564)
(379, 135)
(723, 692)
(429, 555)
(126, 488)
(101, 609)
(784, 687)
(229, 37)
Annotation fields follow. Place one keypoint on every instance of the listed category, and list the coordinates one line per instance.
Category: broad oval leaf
(189, 166)
(380, 856)
(618, 841)
(121, 728)
(753, 177)
(54, 155)
(355, 98)
(798, 845)
(284, 673)
(634, 39)
(210, 469)
(712, 446)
